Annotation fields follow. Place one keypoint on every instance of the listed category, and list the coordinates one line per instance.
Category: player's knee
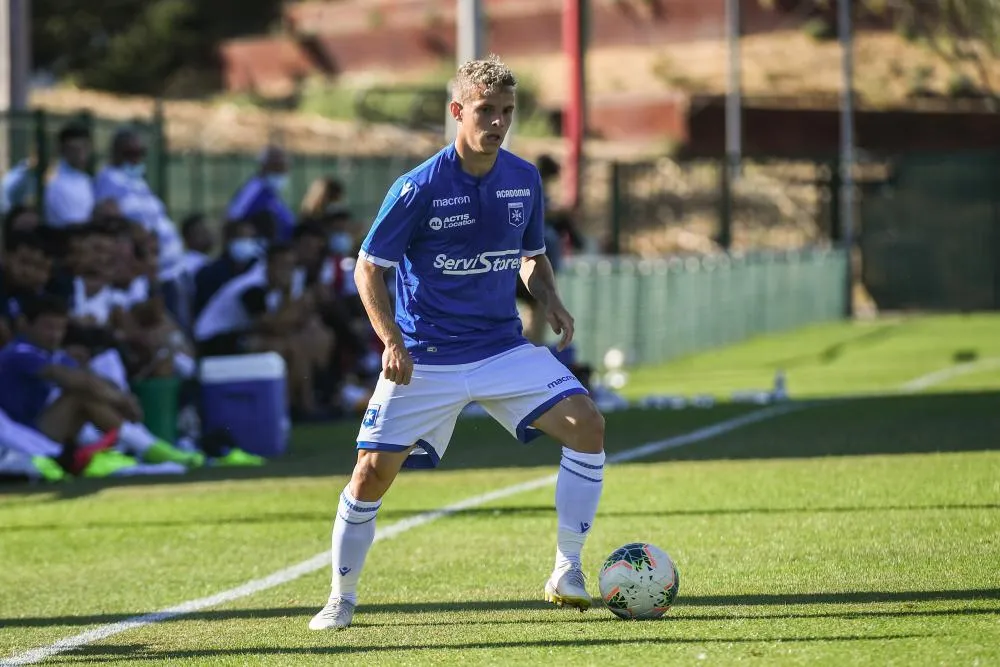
(370, 480)
(588, 429)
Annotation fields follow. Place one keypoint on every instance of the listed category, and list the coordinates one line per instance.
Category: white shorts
(515, 387)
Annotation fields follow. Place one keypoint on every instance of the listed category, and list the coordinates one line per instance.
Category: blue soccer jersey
(457, 242)
(23, 393)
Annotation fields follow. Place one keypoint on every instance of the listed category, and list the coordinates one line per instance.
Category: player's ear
(456, 111)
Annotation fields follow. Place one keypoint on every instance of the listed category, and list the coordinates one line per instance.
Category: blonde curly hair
(482, 77)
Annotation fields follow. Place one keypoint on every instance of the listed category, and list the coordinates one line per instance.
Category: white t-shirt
(98, 305)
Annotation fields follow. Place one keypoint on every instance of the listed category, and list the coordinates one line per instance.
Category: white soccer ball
(639, 580)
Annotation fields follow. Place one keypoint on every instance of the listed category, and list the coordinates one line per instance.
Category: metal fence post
(725, 238)
(42, 160)
(616, 207)
(162, 160)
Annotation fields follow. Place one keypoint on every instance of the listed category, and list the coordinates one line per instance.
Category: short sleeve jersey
(457, 242)
(23, 392)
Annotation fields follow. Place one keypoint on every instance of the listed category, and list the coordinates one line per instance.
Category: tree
(140, 46)
(961, 32)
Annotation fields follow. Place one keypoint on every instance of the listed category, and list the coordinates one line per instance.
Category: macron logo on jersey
(511, 194)
(484, 262)
(452, 201)
(407, 186)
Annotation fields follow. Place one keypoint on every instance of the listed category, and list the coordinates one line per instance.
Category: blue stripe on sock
(589, 479)
(355, 523)
(582, 464)
(354, 507)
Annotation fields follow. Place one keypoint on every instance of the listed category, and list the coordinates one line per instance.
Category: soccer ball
(639, 580)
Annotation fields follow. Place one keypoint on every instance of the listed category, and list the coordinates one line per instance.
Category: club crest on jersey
(515, 213)
(371, 416)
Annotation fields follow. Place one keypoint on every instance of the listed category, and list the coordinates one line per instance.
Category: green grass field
(851, 531)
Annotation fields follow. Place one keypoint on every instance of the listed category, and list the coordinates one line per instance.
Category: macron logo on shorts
(563, 379)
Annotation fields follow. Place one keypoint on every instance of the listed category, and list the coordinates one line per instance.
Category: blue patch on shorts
(371, 415)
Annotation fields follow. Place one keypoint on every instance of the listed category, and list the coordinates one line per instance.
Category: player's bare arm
(540, 279)
(397, 364)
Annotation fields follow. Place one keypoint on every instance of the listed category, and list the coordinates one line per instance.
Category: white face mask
(243, 250)
(278, 181)
(137, 170)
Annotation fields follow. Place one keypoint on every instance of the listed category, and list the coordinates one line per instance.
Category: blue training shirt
(457, 241)
(23, 393)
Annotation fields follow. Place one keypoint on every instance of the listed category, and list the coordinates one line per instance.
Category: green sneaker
(49, 470)
(107, 463)
(239, 458)
(163, 452)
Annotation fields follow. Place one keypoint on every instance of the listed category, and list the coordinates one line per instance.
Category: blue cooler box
(245, 396)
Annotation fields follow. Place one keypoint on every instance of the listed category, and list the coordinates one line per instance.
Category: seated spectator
(197, 243)
(269, 309)
(123, 182)
(357, 350)
(242, 249)
(45, 390)
(99, 344)
(263, 193)
(325, 195)
(19, 186)
(156, 345)
(24, 274)
(69, 194)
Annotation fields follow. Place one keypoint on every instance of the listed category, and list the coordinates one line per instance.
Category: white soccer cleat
(568, 588)
(336, 615)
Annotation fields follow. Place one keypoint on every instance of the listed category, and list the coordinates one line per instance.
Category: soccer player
(459, 229)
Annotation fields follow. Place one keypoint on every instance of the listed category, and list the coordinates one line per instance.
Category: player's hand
(561, 322)
(397, 364)
(131, 410)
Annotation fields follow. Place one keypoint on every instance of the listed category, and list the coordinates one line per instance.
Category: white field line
(322, 560)
(945, 374)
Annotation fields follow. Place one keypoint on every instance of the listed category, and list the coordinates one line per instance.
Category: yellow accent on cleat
(583, 603)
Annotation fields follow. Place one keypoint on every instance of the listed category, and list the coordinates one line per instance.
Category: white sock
(353, 534)
(578, 491)
(135, 438)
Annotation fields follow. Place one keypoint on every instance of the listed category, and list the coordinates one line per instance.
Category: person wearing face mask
(242, 250)
(123, 181)
(264, 193)
(69, 195)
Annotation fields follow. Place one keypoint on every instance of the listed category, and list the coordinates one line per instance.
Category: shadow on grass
(844, 427)
(139, 652)
(683, 602)
(833, 352)
(326, 516)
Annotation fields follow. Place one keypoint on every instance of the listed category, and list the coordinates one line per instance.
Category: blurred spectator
(25, 272)
(325, 195)
(310, 244)
(123, 182)
(356, 359)
(44, 388)
(100, 332)
(20, 218)
(242, 249)
(561, 235)
(19, 186)
(263, 194)
(69, 194)
(269, 309)
(197, 243)
(107, 208)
